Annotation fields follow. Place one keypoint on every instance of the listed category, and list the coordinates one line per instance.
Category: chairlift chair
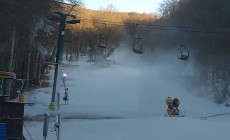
(137, 46)
(184, 53)
(102, 42)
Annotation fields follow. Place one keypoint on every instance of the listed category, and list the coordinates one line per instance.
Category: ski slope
(126, 101)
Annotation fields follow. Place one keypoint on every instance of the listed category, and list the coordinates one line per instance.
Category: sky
(126, 101)
(141, 6)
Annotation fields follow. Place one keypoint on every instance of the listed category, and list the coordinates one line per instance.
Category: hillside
(127, 101)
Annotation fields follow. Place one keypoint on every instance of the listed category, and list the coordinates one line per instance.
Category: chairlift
(184, 53)
(138, 42)
(102, 42)
(137, 46)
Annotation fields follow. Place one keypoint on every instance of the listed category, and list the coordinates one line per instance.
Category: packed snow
(126, 101)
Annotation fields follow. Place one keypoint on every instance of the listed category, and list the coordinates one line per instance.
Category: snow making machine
(172, 110)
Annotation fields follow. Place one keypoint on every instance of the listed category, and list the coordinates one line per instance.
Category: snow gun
(172, 109)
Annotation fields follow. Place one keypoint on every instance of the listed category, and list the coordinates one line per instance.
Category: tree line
(28, 39)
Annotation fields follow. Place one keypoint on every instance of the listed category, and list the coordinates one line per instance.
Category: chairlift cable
(164, 27)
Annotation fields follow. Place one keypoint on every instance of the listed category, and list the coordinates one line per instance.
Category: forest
(29, 37)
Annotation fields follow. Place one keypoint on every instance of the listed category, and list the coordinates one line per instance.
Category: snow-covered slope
(127, 102)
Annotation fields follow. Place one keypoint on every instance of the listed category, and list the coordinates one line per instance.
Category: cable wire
(162, 27)
(28, 132)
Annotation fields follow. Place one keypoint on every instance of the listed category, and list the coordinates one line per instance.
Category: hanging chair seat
(183, 57)
(138, 51)
(102, 46)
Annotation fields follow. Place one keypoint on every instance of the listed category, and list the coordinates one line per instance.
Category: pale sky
(147, 6)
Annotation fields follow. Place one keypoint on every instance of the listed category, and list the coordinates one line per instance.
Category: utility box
(11, 114)
(3, 131)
